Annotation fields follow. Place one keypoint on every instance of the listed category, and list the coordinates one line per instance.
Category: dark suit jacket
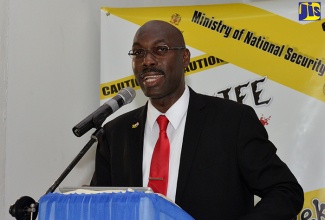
(226, 158)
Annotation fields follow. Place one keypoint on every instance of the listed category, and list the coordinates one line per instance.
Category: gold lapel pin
(135, 125)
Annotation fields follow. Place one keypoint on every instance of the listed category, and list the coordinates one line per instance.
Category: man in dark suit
(220, 155)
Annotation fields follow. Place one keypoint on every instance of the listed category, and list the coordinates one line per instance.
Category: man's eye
(137, 52)
(162, 49)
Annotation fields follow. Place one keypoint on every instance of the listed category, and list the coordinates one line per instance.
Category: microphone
(96, 119)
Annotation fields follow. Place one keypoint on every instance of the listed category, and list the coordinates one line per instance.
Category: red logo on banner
(264, 120)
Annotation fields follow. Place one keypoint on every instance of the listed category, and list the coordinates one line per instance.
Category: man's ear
(186, 57)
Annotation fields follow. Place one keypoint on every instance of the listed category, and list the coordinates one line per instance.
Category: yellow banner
(259, 41)
(314, 206)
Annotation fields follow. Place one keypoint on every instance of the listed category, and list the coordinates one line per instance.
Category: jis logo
(309, 11)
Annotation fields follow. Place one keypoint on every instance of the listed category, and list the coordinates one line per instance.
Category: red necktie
(158, 177)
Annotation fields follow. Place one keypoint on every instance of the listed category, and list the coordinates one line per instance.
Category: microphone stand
(26, 208)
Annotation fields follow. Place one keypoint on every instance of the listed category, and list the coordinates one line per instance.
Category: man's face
(159, 76)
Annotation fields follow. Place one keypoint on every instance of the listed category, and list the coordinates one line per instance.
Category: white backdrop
(49, 79)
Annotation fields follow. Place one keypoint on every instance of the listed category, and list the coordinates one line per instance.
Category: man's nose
(149, 59)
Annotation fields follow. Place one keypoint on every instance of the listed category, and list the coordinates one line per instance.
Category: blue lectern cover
(109, 206)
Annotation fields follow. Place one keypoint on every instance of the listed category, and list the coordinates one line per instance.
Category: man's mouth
(152, 76)
(150, 79)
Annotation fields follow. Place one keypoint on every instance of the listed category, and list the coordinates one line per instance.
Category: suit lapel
(135, 156)
(193, 127)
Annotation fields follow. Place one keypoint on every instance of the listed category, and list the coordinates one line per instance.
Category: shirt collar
(174, 114)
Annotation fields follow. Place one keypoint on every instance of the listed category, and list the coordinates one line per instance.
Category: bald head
(163, 31)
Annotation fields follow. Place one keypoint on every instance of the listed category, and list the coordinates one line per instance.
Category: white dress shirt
(176, 115)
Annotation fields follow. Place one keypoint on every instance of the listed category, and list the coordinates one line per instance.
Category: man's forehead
(150, 42)
(152, 38)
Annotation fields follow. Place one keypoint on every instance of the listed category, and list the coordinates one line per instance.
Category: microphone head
(127, 94)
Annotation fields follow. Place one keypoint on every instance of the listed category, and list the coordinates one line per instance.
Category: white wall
(49, 69)
(3, 98)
